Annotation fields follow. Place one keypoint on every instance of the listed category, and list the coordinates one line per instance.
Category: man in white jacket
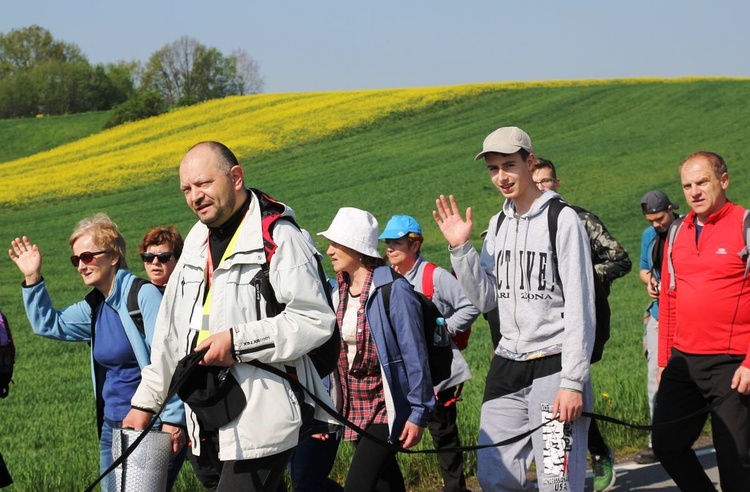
(540, 373)
(212, 302)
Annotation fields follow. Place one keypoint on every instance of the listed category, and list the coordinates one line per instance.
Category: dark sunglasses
(162, 257)
(86, 257)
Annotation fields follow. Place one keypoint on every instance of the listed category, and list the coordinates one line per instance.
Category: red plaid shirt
(362, 385)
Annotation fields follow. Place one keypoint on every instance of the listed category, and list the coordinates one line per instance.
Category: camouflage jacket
(610, 259)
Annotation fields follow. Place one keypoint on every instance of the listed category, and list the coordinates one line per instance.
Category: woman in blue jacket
(119, 349)
(384, 383)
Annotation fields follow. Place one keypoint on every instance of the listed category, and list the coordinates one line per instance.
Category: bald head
(212, 182)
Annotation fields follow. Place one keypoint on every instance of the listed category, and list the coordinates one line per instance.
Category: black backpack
(7, 356)
(601, 291)
(325, 357)
(440, 357)
(134, 310)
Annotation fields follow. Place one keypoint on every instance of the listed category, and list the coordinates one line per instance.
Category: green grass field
(22, 137)
(611, 142)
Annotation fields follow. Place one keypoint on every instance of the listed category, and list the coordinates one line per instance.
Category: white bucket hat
(356, 229)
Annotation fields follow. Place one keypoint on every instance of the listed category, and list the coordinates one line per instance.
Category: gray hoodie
(515, 273)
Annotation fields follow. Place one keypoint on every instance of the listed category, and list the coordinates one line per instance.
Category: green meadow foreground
(389, 152)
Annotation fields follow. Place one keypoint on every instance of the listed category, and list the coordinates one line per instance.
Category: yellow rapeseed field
(137, 153)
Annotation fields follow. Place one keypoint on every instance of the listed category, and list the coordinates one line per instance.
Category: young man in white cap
(539, 376)
(403, 239)
(659, 212)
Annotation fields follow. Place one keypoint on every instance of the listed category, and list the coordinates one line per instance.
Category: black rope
(174, 386)
(198, 356)
(342, 420)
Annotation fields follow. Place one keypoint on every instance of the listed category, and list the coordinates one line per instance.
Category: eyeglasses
(86, 257)
(544, 181)
(161, 257)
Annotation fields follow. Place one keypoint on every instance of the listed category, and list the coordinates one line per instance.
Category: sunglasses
(86, 257)
(161, 257)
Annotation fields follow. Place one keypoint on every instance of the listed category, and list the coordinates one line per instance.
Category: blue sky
(322, 45)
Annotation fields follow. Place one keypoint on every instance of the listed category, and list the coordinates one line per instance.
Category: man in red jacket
(704, 333)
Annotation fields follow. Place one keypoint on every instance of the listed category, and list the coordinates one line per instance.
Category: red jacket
(709, 310)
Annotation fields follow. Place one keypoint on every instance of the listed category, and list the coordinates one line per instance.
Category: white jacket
(271, 420)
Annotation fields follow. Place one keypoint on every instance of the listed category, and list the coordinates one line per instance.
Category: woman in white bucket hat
(384, 384)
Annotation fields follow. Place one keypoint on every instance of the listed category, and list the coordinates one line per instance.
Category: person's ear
(724, 180)
(236, 174)
(414, 246)
(530, 162)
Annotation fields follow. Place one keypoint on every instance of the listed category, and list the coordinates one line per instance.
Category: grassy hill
(385, 151)
(23, 137)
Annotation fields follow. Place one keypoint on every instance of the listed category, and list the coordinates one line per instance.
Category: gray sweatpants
(650, 344)
(558, 449)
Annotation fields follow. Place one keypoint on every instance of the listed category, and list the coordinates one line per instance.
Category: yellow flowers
(137, 153)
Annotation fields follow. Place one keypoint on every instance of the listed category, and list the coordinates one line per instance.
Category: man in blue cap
(403, 239)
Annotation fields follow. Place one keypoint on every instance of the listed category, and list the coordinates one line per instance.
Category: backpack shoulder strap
(746, 235)
(671, 236)
(500, 219)
(556, 206)
(134, 310)
(386, 289)
(270, 213)
(428, 280)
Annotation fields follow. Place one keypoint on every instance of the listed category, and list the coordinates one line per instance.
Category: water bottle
(440, 338)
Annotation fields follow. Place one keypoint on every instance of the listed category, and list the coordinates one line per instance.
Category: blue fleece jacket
(74, 323)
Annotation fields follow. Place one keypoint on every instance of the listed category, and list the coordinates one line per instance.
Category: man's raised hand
(455, 229)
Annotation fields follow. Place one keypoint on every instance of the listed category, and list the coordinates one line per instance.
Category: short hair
(104, 233)
(522, 152)
(227, 159)
(414, 237)
(163, 235)
(542, 163)
(715, 160)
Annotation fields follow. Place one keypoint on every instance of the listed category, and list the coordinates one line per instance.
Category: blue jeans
(105, 455)
(311, 464)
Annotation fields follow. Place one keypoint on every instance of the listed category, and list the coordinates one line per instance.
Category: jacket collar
(382, 275)
(94, 297)
(509, 208)
(714, 217)
(249, 247)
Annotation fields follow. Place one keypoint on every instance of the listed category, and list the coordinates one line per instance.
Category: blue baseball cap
(399, 226)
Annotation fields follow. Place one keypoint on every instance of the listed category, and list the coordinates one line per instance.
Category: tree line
(40, 75)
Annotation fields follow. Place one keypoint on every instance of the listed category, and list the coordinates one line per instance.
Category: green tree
(40, 75)
(22, 49)
(141, 105)
(186, 72)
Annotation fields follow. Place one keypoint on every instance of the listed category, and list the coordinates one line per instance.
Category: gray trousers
(650, 345)
(558, 449)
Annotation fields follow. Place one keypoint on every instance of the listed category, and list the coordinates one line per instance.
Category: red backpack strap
(270, 211)
(456, 396)
(428, 280)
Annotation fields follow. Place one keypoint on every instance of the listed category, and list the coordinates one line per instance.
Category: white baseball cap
(506, 140)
